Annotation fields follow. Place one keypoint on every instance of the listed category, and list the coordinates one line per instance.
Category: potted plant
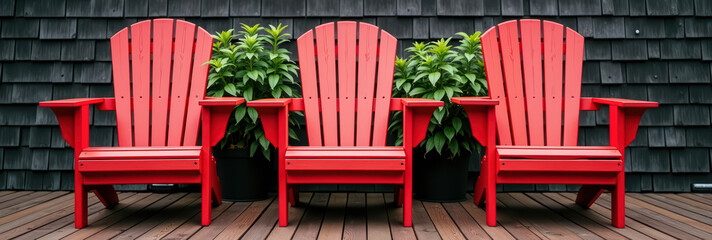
(436, 71)
(255, 67)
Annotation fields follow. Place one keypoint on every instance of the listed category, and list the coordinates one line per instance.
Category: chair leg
(479, 191)
(106, 194)
(398, 193)
(80, 205)
(293, 194)
(588, 194)
(215, 184)
(618, 202)
(408, 203)
(283, 203)
(205, 202)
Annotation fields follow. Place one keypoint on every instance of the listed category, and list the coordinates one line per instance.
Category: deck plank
(265, 223)
(97, 213)
(377, 226)
(355, 219)
(443, 223)
(220, 224)
(395, 218)
(33, 212)
(333, 224)
(242, 223)
(295, 217)
(555, 217)
(681, 222)
(469, 228)
(187, 227)
(27, 201)
(651, 219)
(497, 232)
(156, 219)
(674, 206)
(422, 224)
(13, 195)
(540, 220)
(311, 221)
(600, 219)
(691, 199)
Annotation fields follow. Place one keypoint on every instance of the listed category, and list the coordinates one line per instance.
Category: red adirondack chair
(157, 144)
(534, 145)
(346, 122)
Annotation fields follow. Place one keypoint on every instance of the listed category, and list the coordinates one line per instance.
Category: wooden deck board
(49, 215)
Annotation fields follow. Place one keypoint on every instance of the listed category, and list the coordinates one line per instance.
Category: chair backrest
(159, 77)
(534, 70)
(338, 89)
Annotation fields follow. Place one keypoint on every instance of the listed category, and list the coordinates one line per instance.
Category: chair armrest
(74, 102)
(270, 102)
(481, 113)
(421, 102)
(221, 101)
(626, 103)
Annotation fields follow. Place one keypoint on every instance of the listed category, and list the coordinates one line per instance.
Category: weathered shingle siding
(657, 50)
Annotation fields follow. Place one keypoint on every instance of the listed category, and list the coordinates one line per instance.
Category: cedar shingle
(245, 8)
(95, 8)
(101, 136)
(492, 7)
(653, 49)
(31, 92)
(665, 94)
(183, 8)
(675, 137)
(444, 27)
(103, 50)
(637, 7)
(674, 27)
(95, 72)
(379, 8)
(408, 7)
(88, 28)
(608, 27)
(7, 8)
(40, 137)
(579, 7)
(135, 8)
(51, 181)
(18, 158)
(7, 50)
(10, 136)
(15, 180)
(399, 27)
(58, 28)
(543, 8)
(57, 140)
(513, 8)
(79, 50)
(460, 7)
(215, 8)
(680, 49)
(671, 183)
(707, 49)
(43, 8)
(591, 73)
(699, 136)
(46, 50)
(703, 8)
(692, 115)
(351, 8)
(597, 50)
(115, 25)
(213, 25)
(45, 116)
(641, 138)
(661, 7)
(689, 72)
(20, 28)
(428, 7)
(629, 50)
(614, 7)
(40, 159)
(647, 72)
(421, 29)
(322, 8)
(37, 72)
(701, 94)
(656, 137)
(650, 160)
(585, 27)
(660, 116)
(284, 8)
(61, 159)
(159, 8)
(67, 180)
(646, 27)
(688, 160)
(612, 73)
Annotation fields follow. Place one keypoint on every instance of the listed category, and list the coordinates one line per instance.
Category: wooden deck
(49, 215)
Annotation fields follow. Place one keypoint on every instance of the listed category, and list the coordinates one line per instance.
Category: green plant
(250, 70)
(436, 71)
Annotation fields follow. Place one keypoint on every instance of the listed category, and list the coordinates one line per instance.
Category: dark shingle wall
(658, 50)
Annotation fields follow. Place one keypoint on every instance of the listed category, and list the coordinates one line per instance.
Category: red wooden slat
(141, 82)
(307, 68)
(574, 153)
(198, 82)
(375, 154)
(162, 51)
(574, 61)
(368, 40)
(327, 83)
(347, 81)
(122, 86)
(553, 60)
(386, 64)
(531, 64)
(495, 83)
(115, 166)
(140, 154)
(519, 165)
(339, 165)
(182, 60)
(345, 177)
(511, 61)
(366, 148)
(99, 149)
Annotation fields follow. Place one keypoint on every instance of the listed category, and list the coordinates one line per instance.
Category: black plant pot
(242, 178)
(438, 179)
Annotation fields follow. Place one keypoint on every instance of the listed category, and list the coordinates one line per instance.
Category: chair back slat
(182, 58)
(531, 66)
(141, 80)
(551, 86)
(153, 73)
(307, 70)
(339, 105)
(572, 88)
(122, 86)
(162, 54)
(326, 59)
(347, 82)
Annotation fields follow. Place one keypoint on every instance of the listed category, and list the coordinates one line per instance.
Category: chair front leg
(80, 202)
(106, 194)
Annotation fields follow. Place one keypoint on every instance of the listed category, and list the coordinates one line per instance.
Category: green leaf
(406, 87)
(252, 113)
(247, 94)
(429, 144)
(449, 132)
(457, 123)
(263, 142)
(439, 141)
(439, 94)
(273, 80)
(254, 74)
(433, 77)
(240, 113)
(230, 89)
(449, 91)
(454, 147)
(253, 148)
(287, 90)
(439, 114)
(417, 91)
